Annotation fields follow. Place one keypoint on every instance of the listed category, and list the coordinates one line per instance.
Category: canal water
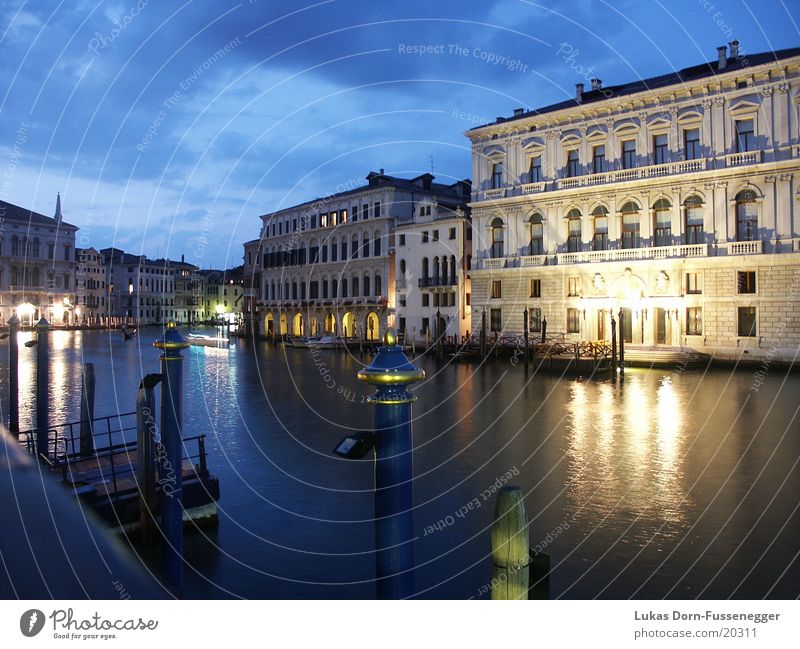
(674, 483)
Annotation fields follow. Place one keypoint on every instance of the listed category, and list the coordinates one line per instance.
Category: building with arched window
(37, 266)
(670, 200)
(340, 253)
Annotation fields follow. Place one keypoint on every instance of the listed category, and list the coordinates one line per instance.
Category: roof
(11, 212)
(708, 69)
(422, 184)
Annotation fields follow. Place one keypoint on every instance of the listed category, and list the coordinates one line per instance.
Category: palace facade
(673, 200)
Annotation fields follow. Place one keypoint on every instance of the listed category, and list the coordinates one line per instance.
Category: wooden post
(482, 341)
(87, 410)
(42, 388)
(510, 546)
(525, 333)
(613, 346)
(621, 343)
(544, 330)
(145, 463)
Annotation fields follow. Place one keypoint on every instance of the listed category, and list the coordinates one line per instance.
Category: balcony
(533, 188)
(494, 194)
(637, 173)
(744, 158)
(436, 282)
(534, 260)
(745, 247)
(490, 263)
(631, 254)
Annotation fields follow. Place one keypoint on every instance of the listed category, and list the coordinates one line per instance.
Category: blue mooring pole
(170, 468)
(13, 375)
(42, 387)
(391, 373)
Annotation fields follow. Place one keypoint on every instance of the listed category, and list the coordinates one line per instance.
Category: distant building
(140, 291)
(671, 201)
(328, 265)
(224, 294)
(189, 291)
(91, 306)
(251, 286)
(432, 264)
(37, 266)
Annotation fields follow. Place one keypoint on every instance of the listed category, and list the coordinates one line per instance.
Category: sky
(170, 127)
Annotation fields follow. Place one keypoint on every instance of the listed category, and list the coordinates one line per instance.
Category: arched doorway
(330, 323)
(349, 325)
(298, 325)
(269, 324)
(284, 324)
(373, 326)
(314, 326)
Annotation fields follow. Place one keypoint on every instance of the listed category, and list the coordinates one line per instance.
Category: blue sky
(170, 127)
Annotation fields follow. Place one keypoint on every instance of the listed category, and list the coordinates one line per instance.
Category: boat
(295, 342)
(201, 340)
(326, 341)
(127, 334)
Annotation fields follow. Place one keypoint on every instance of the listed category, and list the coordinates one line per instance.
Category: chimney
(579, 92)
(722, 57)
(381, 171)
(734, 45)
(182, 259)
(596, 84)
(518, 111)
(57, 216)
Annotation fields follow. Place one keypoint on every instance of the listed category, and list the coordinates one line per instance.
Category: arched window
(497, 175)
(403, 267)
(537, 234)
(365, 245)
(662, 223)
(325, 289)
(378, 286)
(630, 225)
(35, 249)
(334, 288)
(15, 245)
(365, 286)
(453, 270)
(497, 250)
(573, 230)
(694, 219)
(344, 287)
(294, 290)
(443, 274)
(353, 247)
(746, 216)
(14, 276)
(354, 284)
(600, 218)
(436, 270)
(35, 276)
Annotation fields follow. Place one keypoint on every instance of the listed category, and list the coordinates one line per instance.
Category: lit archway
(330, 323)
(284, 324)
(298, 325)
(373, 326)
(269, 324)
(349, 324)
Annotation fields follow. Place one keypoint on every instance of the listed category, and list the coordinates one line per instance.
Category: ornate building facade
(92, 289)
(672, 199)
(329, 265)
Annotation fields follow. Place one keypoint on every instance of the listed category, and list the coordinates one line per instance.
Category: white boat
(201, 340)
(295, 342)
(327, 341)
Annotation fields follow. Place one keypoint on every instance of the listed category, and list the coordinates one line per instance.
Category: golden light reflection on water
(624, 452)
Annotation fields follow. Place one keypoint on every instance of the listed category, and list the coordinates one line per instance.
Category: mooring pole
(145, 447)
(544, 330)
(525, 334)
(483, 334)
(42, 387)
(621, 343)
(613, 345)
(13, 375)
(510, 546)
(171, 475)
(391, 373)
(87, 410)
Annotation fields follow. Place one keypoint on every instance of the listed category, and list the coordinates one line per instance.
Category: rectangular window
(426, 299)
(535, 319)
(497, 289)
(573, 286)
(745, 135)
(694, 321)
(629, 154)
(402, 239)
(436, 235)
(747, 321)
(746, 281)
(573, 321)
(354, 212)
(496, 319)
(66, 253)
(660, 149)
(365, 211)
(694, 283)
(436, 299)
(343, 216)
(572, 163)
(535, 170)
(497, 175)
(424, 236)
(599, 159)
(403, 300)
(452, 233)
(376, 212)
(691, 143)
(536, 288)
(403, 324)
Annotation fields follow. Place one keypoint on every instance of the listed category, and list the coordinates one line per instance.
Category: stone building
(328, 265)
(189, 291)
(37, 266)
(91, 306)
(140, 291)
(223, 299)
(673, 200)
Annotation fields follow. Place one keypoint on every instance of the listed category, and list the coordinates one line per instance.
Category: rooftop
(17, 214)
